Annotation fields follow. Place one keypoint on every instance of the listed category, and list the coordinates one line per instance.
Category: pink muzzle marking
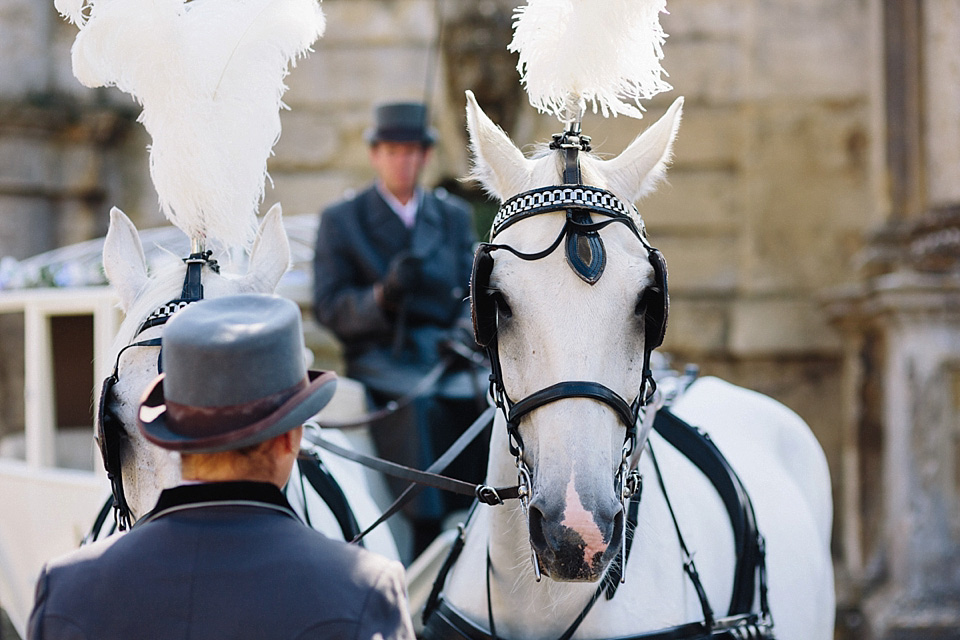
(577, 518)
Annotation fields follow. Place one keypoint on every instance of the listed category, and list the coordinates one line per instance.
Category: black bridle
(110, 430)
(587, 258)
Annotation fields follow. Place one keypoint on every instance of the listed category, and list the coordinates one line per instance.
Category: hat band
(400, 133)
(202, 422)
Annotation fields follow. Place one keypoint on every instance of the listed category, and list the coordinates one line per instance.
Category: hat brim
(153, 418)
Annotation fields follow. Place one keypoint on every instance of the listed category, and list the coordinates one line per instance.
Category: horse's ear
(270, 255)
(123, 259)
(498, 165)
(643, 164)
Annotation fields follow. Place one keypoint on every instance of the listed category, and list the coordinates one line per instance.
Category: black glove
(402, 276)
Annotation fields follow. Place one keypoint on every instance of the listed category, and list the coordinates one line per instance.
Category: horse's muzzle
(575, 549)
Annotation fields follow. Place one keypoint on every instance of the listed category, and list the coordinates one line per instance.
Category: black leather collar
(213, 494)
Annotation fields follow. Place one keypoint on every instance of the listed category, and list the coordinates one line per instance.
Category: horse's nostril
(537, 536)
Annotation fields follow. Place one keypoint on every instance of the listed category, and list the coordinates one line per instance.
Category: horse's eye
(643, 301)
(503, 309)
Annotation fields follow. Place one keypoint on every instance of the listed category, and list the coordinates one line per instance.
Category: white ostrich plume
(209, 75)
(605, 53)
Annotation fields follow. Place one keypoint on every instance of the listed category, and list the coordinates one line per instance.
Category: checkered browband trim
(162, 313)
(546, 199)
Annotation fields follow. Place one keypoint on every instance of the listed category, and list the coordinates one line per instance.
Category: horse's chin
(570, 567)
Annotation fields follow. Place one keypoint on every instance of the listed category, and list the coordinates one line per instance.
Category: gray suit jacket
(222, 560)
(356, 241)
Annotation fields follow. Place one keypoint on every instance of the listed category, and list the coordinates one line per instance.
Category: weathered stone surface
(692, 202)
(807, 49)
(699, 265)
(696, 326)
(310, 140)
(763, 327)
(27, 164)
(24, 45)
(360, 76)
(378, 22)
(26, 226)
(308, 192)
(942, 56)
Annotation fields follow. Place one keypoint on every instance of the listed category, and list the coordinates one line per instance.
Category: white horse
(551, 326)
(148, 469)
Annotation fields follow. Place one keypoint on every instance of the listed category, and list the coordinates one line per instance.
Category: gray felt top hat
(401, 122)
(233, 375)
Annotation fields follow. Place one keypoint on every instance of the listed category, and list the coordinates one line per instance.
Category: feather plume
(209, 75)
(605, 53)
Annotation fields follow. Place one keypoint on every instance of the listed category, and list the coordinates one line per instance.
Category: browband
(546, 199)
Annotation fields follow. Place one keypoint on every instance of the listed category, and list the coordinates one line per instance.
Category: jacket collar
(213, 494)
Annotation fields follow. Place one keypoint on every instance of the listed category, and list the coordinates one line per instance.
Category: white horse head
(552, 326)
(148, 469)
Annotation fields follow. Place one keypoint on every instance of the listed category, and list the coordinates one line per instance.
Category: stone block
(309, 140)
(80, 168)
(26, 226)
(811, 49)
(722, 82)
(786, 325)
(696, 326)
(700, 265)
(711, 136)
(24, 47)
(807, 196)
(308, 192)
(942, 71)
(692, 201)
(359, 76)
(698, 19)
(27, 165)
(380, 22)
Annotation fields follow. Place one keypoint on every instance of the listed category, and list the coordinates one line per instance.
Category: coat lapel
(388, 235)
(428, 228)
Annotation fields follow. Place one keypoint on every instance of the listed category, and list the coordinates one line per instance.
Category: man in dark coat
(391, 275)
(224, 556)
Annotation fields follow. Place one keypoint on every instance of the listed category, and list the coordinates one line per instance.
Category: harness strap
(419, 479)
(701, 450)
(428, 478)
(426, 383)
(312, 468)
(688, 566)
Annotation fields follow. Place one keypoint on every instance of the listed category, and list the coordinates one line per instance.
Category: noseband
(109, 426)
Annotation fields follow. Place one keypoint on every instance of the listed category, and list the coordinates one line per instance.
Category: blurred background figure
(391, 271)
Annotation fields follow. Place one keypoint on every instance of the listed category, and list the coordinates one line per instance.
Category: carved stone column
(901, 322)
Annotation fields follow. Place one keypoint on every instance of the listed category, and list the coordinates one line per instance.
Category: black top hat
(401, 122)
(234, 375)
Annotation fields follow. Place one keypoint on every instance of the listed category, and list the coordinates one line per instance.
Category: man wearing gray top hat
(391, 272)
(224, 555)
